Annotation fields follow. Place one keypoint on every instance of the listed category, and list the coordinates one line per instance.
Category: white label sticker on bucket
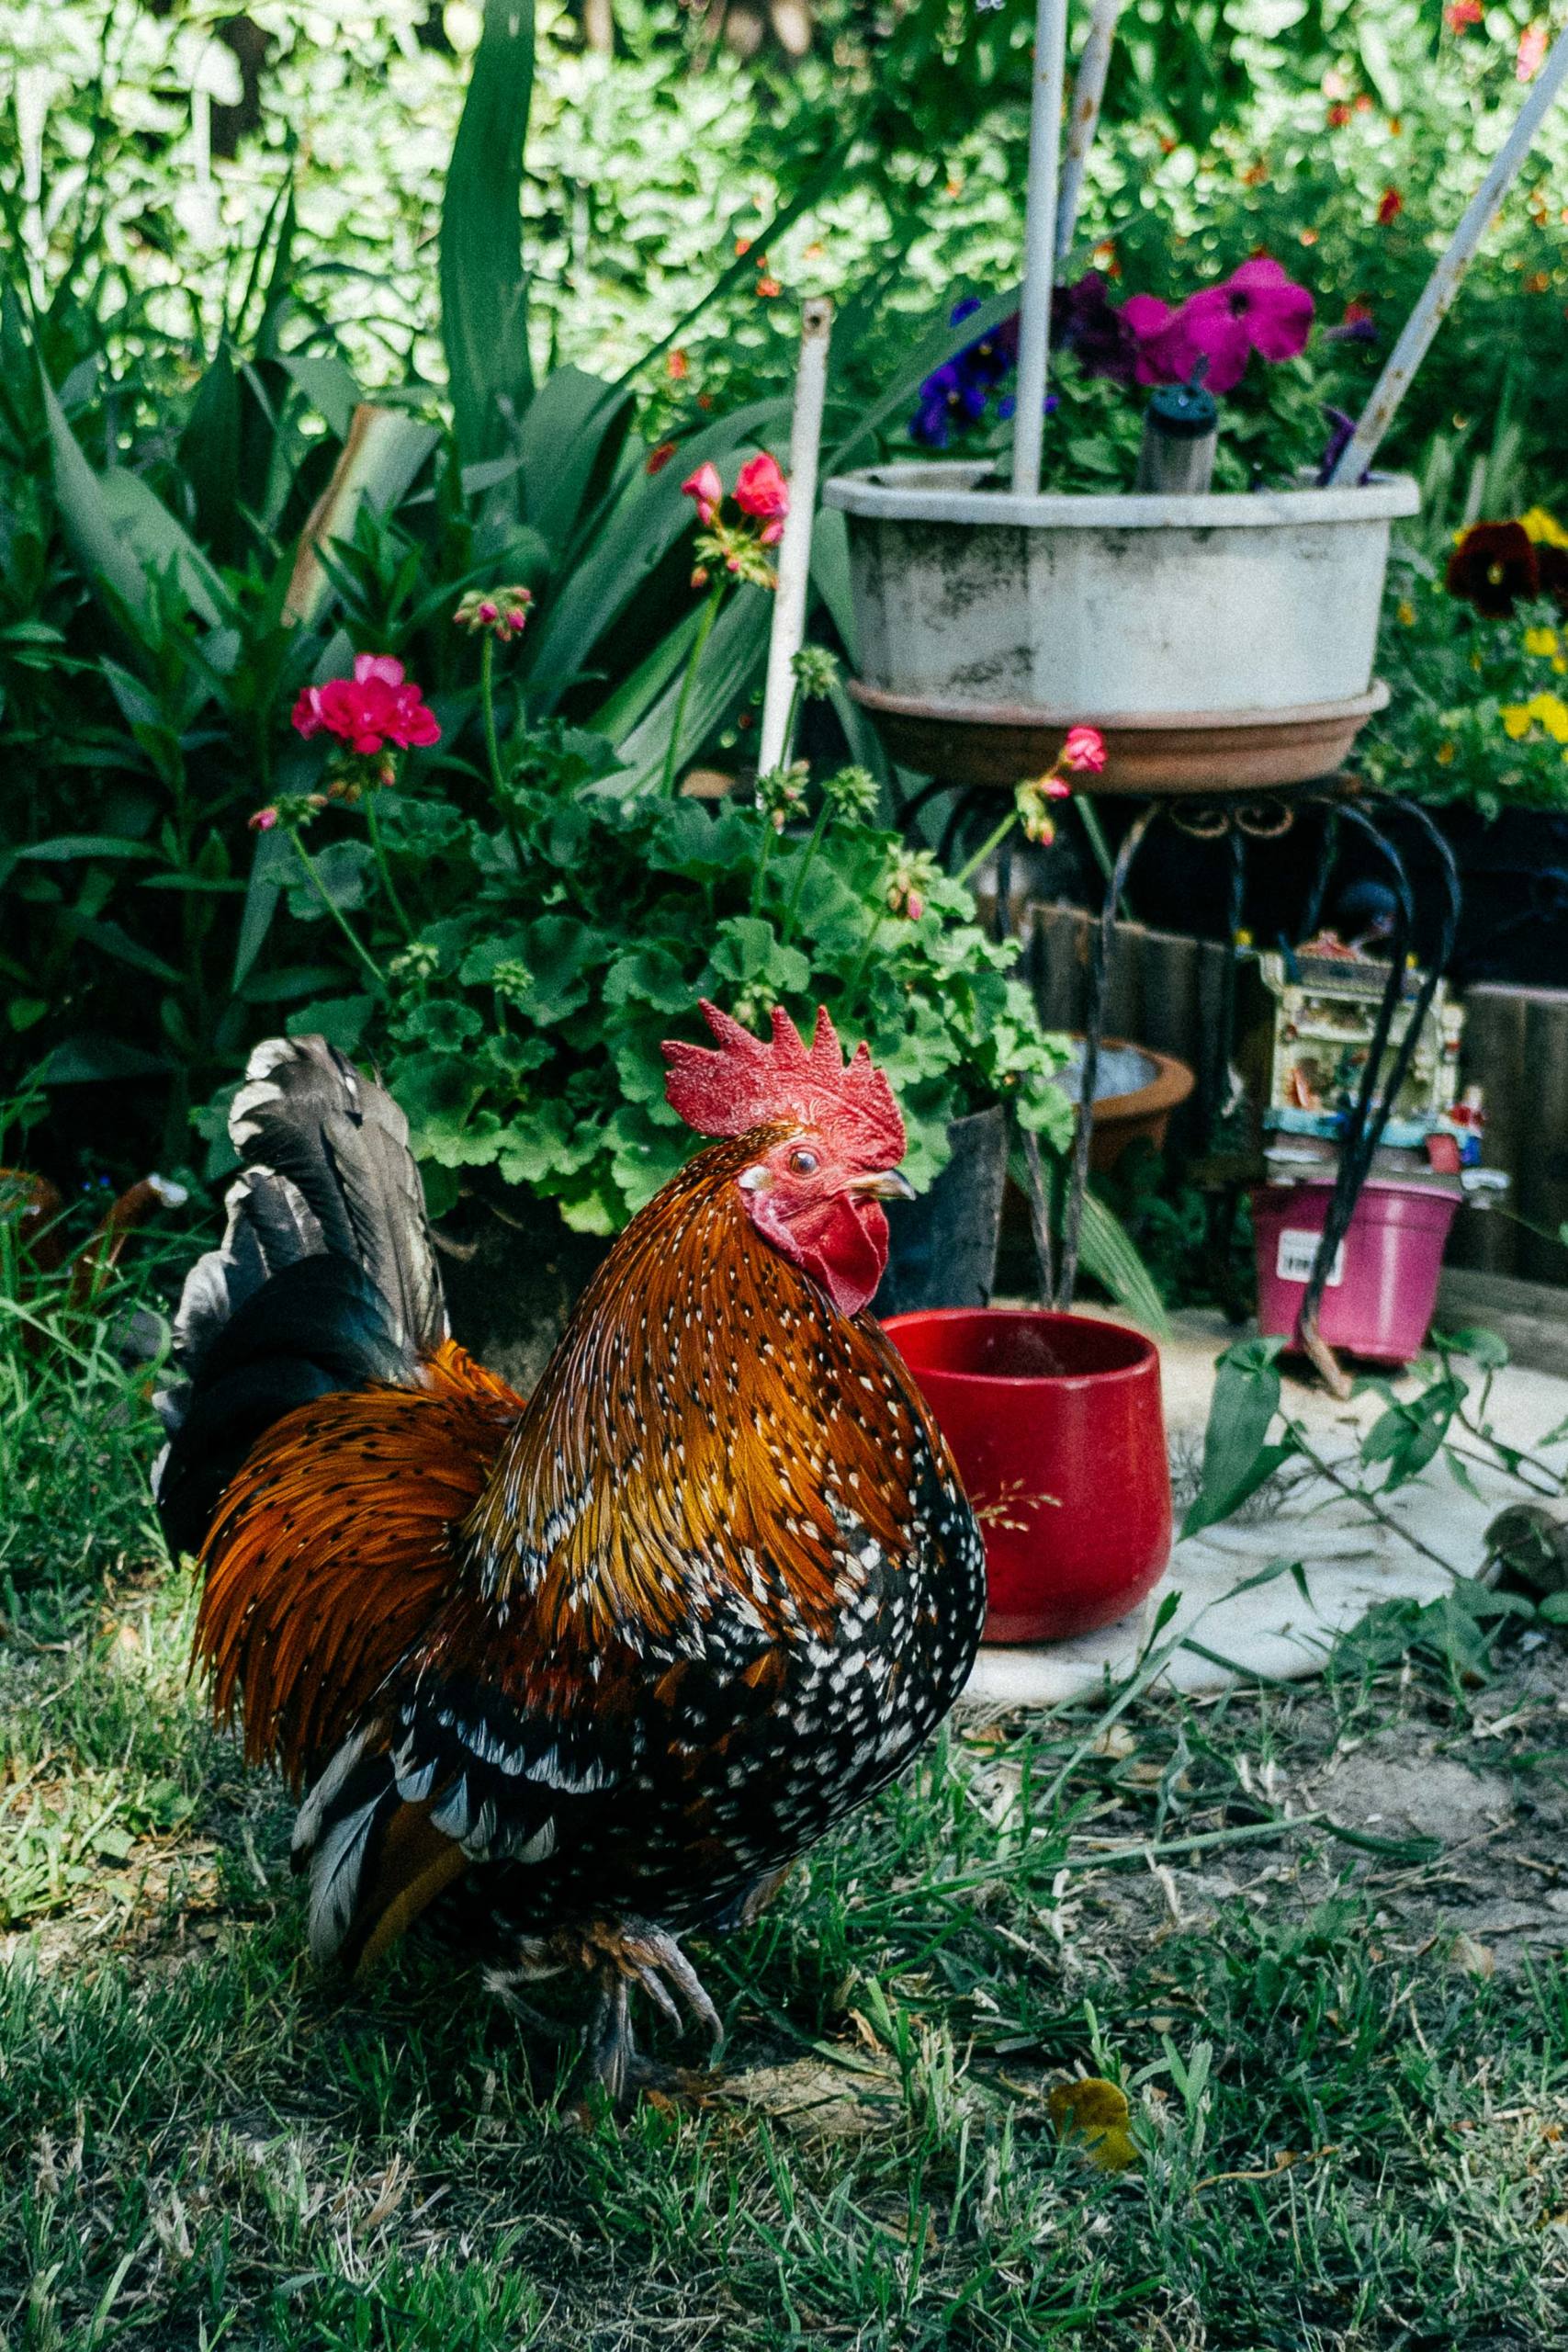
(1297, 1249)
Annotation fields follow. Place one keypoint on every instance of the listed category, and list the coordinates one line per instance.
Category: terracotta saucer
(1200, 754)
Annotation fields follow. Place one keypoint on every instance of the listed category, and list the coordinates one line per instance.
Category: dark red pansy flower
(1551, 563)
(1492, 566)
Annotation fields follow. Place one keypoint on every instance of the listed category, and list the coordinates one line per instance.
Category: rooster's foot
(621, 1954)
(634, 1952)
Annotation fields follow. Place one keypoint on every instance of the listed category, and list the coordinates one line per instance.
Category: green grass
(74, 1428)
(1344, 2138)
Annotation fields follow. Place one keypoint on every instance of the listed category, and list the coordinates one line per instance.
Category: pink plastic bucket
(1379, 1294)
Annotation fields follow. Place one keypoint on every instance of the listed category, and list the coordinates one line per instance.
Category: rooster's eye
(803, 1163)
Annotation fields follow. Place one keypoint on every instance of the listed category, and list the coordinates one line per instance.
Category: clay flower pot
(1057, 1425)
(1134, 1095)
(1219, 643)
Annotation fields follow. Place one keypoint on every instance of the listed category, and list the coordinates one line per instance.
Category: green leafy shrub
(194, 533)
(187, 548)
(557, 946)
(178, 392)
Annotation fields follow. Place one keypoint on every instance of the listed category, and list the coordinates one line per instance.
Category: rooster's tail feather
(325, 1278)
(374, 1859)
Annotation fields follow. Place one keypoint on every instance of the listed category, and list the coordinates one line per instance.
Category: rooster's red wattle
(588, 1671)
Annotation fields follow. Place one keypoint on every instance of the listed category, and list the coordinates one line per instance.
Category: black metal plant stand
(1230, 820)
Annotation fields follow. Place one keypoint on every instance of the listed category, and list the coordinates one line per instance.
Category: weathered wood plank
(1531, 1316)
(1515, 1050)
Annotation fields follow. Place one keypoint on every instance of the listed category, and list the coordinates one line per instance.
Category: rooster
(586, 1672)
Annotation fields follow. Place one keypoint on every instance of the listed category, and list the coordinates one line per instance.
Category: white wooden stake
(788, 631)
(1089, 93)
(204, 218)
(1444, 283)
(1039, 241)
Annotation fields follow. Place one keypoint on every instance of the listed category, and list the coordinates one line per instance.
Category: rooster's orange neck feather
(709, 1426)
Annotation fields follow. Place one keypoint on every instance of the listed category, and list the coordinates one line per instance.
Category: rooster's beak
(889, 1186)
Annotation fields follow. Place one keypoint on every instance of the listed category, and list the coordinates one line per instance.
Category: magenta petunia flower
(1257, 307)
(374, 707)
(1149, 318)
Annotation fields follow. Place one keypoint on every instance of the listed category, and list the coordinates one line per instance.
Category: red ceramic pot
(1057, 1426)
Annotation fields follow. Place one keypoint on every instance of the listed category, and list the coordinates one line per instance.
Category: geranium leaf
(341, 1020)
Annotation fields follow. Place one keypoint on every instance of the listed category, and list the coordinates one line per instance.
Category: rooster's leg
(611, 2047)
(634, 1951)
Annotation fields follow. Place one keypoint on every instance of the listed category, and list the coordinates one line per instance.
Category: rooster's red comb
(754, 1082)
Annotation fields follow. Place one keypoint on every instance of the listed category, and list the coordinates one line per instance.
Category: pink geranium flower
(1257, 307)
(1530, 54)
(761, 491)
(705, 488)
(1084, 751)
(374, 707)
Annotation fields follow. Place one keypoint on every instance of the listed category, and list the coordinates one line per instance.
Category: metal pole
(795, 548)
(1089, 92)
(1444, 283)
(1039, 241)
(1094, 1033)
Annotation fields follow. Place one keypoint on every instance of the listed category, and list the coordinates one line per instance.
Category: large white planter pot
(1167, 622)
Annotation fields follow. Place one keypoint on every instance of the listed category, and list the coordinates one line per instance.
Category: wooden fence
(1515, 1049)
(1167, 991)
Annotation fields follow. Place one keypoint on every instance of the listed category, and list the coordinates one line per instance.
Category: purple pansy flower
(954, 397)
(1340, 428)
(1085, 322)
(950, 401)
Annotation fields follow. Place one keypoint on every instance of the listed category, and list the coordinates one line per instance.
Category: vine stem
(487, 696)
(704, 628)
(1096, 831)
(993, 840)
(492, 749)
(1368, 1502)
(859, 973)
(1479, 1427)
(1514, 1469)
(769, 837)
(309, 863)
(812, 846)
(791, 719)
(373, 828)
